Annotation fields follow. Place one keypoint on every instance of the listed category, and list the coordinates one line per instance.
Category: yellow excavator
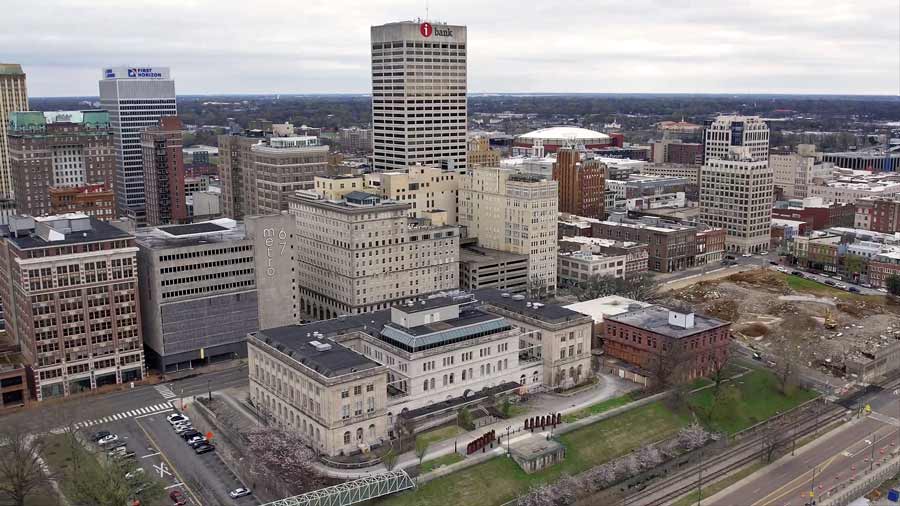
(830, 322)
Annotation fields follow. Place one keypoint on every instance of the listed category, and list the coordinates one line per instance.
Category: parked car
(763, 253)
(853, 289)
(124, 456)
(117, 451)
(883, 290)
(198, 443)
(239, 492)
(841, 286)
(100, 435)
(797, 273)
(134, 474)
(187, 436)
(206, 447)
(177, 498)
(773, 262)
(177, 417)
(109, 438)
(830, 282)
(181, 429)
(746, 255)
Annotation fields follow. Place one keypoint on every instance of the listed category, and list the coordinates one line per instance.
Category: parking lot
(203, 479)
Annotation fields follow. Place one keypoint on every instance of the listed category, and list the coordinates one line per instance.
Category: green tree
(421, 450)
(110, 482)
(390, 459)
(854, 264)
(464, 418)
(726, 404)
(892, 283)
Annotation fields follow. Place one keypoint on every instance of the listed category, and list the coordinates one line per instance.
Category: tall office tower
(281, 166)
(737, 183)
(69, 284)
(136, 99)
(13, 97)
(71, 150)
(419, 95)
(235, 169)
(164, 197)
(581, 184)
(361, 253)
(516, 213)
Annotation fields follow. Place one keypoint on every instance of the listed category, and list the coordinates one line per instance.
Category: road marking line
(166, 459)
(150, 455)
(175, 485)
(151, 414)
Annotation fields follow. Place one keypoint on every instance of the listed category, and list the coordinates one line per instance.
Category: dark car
(177, 498)
(853, 289)
(100, 435)
(829, 282)
(204, 448)
(797, 273)
(773, 262)
(189, 434)
(198, 443)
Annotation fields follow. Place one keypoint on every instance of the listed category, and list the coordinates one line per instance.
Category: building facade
(489, 268)
(59, 150)
(354, 140)
(419, 87)
(816, 213)
(581, 184)
(136, 98)
(91, 199)
(481, 154)
(516, 213)
(281, 166)
(70, 288)
(363, 253)
(426, 189)
(13, 97)
(635, 254)
(796, 172)
(670, 246)
(236, 173)
(667, 345)
(198, 292)
(877, 214)
(580, 266)
(161, 148)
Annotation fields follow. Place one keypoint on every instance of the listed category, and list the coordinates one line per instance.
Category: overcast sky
(321, 46)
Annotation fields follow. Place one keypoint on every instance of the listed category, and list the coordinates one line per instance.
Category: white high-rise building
(136, 97)
(736, 182)
(516, 213)
(13, 98)
(419, 95)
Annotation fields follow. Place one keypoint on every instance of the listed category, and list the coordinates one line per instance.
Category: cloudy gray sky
(321, 46)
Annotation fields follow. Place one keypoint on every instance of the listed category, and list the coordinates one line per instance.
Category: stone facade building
(70, 288)
(13, 97)
(581, 184)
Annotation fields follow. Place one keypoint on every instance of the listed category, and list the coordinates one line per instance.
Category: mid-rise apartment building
(580, 266)
(817, 214)
(91, 199)
(737, 183)
(59, 150)
(481, 154)
(354, 140)
(690, 173)
(136, 98)
(198, 292)
(581, 184)
(363, 253)
(635, 254)
(281, 166)
(236, 171)
(161, 148)
(69, 287)
(419, 104)
(516, 213)
(426, 189)
(13, 97)
(877, 214)
(796, 172)
(676, 151)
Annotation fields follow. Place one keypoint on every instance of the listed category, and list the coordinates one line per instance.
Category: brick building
(671, 246)
(69, 286)
(878, 215)
(674, 343)
(710, 245)
(635, 254)
(581, 184)
(815, 213)
(97, 200)
(164, 172)
(61, 149)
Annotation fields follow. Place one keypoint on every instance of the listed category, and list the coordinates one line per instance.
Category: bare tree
(21, 473)
(667, 366)
(642, 286)
(773, 437)
(283, 453)
(787, 361)
(719, 369)
(421, 450)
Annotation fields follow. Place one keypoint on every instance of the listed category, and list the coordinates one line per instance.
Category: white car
(883, 290)
(746, 255)
(764, 253)
(177, 418)
(105, 440)
(134, 474)
(239, 492)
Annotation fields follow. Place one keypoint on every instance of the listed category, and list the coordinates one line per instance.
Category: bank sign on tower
(427, 30)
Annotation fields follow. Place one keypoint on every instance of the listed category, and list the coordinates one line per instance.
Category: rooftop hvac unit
(320, 346)
(537, 305)
(518, 296)
(528, 304)
(504, 295)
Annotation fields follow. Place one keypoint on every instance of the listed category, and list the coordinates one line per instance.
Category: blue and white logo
(109, 73)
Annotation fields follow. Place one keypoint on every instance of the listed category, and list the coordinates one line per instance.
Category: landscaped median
(599, 434)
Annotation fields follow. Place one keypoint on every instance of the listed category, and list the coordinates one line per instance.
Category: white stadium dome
(562, 135)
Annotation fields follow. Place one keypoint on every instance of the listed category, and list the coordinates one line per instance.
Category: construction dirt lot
(823, 325)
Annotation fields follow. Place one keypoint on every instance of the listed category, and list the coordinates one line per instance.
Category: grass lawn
(600, 407)
(759, 400)
(500, 479)
(809, 286)
(439, 434)
(445, 460)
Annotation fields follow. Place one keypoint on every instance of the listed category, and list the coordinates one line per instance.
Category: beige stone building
(362, 253)
(480, 153)
(516, 213)
(795, 172)
(425, 189)
(13, 97)
(691, 173)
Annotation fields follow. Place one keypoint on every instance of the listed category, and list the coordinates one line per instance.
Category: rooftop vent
(537, 305)
(504, 295)
(320, 346)
(518, 296)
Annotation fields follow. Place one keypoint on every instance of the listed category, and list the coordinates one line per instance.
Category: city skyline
(648, 47)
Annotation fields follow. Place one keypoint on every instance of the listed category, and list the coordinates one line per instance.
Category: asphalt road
(828, 463)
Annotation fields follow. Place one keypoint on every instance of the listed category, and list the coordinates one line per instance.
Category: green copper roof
(37, 121)
(11, 69)
(29, 121)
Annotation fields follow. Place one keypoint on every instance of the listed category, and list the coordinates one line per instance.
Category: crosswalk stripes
(146, 410)
(165, 391)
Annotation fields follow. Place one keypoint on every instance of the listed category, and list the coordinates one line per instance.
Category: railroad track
(673, 486)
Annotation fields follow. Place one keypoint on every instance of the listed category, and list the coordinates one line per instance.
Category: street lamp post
(209, 389)
(507, 440)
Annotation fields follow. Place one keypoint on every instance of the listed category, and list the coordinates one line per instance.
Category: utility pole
(209, 389)
(872, 460)
(507, 440)
(700, 478)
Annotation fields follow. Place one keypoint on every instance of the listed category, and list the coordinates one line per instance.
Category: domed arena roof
(560, 135)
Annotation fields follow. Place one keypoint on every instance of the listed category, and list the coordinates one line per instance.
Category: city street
(829, 463)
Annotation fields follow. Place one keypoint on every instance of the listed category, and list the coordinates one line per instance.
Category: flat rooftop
(99, 231)
(548, 313)
(294, 341)
(611, 305)
(477, 254)
(656, 319)
(180, 236)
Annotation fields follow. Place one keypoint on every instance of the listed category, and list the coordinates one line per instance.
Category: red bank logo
(426, 29)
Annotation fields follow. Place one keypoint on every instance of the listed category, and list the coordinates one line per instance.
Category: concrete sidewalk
(540, 404)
